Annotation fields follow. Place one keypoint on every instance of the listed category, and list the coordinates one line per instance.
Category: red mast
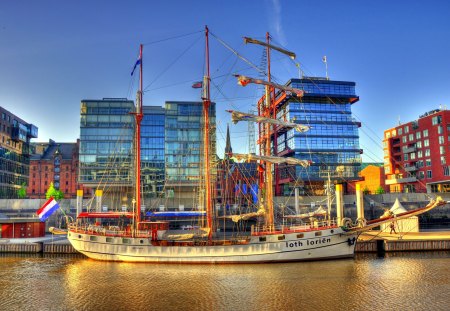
(268, 168)
(206, 105)
(138, 117)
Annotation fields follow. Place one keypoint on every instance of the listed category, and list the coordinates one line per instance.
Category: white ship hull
(312, 245)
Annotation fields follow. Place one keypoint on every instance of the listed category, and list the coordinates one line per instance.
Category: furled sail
(271, 159)
(318, 212)
(237, 116)
(237, 218)
(243, 80)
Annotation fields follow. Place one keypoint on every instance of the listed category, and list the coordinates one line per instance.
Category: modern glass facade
(332, 143)
(183, 147)
(15, 135)
(152, 151)
(106, 142)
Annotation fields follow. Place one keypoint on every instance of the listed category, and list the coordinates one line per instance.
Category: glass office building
(183, 147)
(106, 142)
(152, 151)
(15, 136)
(332, 143)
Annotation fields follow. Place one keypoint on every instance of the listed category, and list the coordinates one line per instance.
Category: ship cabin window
(93, 238)
(126, 241)
(318, 233)
(109, 240)
(141, 241)
(262, 238)
(281, 237)
(300, 236)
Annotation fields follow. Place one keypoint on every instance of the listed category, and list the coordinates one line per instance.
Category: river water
(398, 281)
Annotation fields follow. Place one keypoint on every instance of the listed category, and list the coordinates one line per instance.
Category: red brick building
(417, 154)
(57, 163)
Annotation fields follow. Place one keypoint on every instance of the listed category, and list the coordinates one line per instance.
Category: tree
(22, 192)
(366, 190)
(51, 191)
(379, 190)
(59, 195)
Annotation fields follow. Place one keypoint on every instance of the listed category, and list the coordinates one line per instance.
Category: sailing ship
(154, 241)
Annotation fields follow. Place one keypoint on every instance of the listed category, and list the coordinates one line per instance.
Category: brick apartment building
(417, 154)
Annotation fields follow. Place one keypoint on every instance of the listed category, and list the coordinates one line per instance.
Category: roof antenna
(324, 59)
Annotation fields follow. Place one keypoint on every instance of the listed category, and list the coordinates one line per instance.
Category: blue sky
(53, 54)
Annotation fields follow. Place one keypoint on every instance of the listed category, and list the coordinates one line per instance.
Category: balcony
(410, 150)
(400, 180)
(412, 168)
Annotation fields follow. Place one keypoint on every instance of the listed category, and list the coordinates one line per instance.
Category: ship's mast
(206, 105)
(268, 169)
(138, 118)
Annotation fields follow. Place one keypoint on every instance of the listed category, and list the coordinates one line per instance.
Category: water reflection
(416, 281)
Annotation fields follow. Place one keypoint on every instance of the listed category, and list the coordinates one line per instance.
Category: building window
(428, 162)
(446, 170)
(425, 133)
(419, 154)
(426, 143)
(429, 175)
(418, 135)
(413, 156)
(442, 149)
(420, 163)
(405, 157)
(411, 137)
(442, 160)
(404, 139)
(400, 131)
(421, 175)
(441, 140)
(440, 129)
(406, 129)
(436, 120)
(388, 135)
(419, 144)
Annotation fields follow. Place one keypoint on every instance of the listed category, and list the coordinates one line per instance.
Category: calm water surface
(400, 281)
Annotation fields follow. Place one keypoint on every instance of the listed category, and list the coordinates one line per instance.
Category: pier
(376, 241)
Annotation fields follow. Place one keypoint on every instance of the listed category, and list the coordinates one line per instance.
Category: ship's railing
(279, 229)
(107, 230)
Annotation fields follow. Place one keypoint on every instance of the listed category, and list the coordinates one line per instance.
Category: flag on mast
(324, 59)
(138, 62)
(197, 85)
(47, 209)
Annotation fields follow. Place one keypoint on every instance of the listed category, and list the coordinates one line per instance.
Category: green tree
(22, 192)
(51, 191)
(379, 190)
(59, 195)
(366, 190)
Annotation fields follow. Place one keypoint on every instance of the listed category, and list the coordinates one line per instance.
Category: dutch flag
(47, 209)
